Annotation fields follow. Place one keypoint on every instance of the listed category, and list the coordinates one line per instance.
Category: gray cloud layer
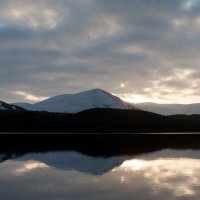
(52, 47)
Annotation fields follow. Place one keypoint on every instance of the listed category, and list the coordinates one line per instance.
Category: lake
(164, 174)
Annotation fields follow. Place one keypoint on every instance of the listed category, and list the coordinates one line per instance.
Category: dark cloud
(51, 47)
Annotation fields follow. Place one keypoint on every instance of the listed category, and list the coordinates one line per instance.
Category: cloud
(29, 96)
(52, 47)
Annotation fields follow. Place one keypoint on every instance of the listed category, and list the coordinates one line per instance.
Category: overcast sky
(141, 50)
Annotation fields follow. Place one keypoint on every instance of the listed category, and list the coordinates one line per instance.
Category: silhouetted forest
(14, 145)
(97, 121)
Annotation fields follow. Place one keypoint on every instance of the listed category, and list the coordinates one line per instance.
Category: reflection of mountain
(73, 161)
(7, 156)
(71, 175)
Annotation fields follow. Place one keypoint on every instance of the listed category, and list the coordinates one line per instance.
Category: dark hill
(97, 121)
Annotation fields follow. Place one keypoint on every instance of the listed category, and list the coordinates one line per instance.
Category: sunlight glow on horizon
(172, 100)
(30, 97)
(135, 99)
(127, 97)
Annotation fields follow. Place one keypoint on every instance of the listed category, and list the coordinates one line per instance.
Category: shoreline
(97, 144)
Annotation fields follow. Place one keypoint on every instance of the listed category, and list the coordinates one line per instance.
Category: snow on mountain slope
(6, 106)
(26, 106)
(97, 98)
(73, 103)
(170, 109)
(2, 106)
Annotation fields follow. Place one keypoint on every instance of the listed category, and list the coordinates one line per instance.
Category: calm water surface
(166, 174)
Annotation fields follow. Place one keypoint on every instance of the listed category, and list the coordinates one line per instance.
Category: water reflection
(166, 174)
(180, 175)
(75, 161)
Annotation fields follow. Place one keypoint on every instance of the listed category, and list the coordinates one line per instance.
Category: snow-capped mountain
(74, 103)
(97, 98)
(170, 109)
(26, 106)
(6, 106)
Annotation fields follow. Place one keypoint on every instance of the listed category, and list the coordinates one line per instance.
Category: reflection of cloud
(165, 175)
(134, 165)
(181, 175)
(30, 166)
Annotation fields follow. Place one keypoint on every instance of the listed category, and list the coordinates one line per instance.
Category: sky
(139, 50)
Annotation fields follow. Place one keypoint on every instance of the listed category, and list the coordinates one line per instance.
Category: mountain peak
(73, 103)
(95, 91)
(2, 102)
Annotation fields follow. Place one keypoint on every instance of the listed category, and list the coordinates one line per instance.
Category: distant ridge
(9, 107)
(170, 109)
(98, 120)
(74, 103)
(98, 98)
